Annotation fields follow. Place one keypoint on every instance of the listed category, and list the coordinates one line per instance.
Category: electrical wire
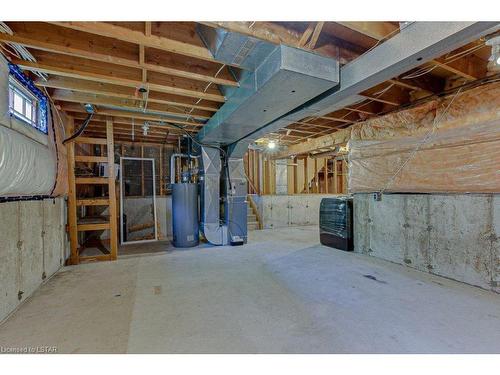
(19, 50)
(80, 130)
(449, 59)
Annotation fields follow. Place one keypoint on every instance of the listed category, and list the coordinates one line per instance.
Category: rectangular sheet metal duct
(279, 79)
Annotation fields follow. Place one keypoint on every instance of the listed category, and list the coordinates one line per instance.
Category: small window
(22, 104)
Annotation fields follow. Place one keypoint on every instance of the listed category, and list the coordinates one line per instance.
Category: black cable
(226, 164)
(79, 131)
(55, 145)
(25, 198)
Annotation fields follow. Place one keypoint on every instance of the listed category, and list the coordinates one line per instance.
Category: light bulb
(145, 128)
(271, 145)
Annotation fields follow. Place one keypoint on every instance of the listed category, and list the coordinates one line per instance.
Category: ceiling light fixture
(271, 145)
(145, 128)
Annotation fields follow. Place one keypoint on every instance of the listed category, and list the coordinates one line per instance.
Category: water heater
(185, 214)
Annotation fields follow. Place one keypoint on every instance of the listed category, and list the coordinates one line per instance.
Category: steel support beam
(413, 46)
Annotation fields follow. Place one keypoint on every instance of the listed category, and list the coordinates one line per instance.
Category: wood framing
(121, 81)
(137, 37)
(72, 219)
(65, 48)
(162, 73)
(113, 217)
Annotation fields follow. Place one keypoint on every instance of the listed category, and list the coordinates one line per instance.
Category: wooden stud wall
(324, 175)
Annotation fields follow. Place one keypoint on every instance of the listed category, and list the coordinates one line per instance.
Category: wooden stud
(335, 177)
(113, 229)
(344, 176)
(259, 169)
(160, 161)
(306, 176)
(295, 177)
(326, 176)
(142, 172)
(72, 218)
(316, 177)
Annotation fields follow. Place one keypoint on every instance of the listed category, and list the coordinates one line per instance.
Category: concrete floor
(281, 293)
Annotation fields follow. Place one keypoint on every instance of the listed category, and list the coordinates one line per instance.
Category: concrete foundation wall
(279, 211)
(33, 247)
(455, 236)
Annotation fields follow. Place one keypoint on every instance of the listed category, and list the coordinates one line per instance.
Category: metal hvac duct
(278, 79)
(288, 85)
(214, 232)
(274, 81)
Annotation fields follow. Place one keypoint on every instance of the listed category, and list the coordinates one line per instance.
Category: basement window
(22, 104)
(26, 102)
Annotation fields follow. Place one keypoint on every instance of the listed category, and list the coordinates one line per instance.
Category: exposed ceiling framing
(108, 63)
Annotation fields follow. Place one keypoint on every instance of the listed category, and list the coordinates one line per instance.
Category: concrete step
(251, 217)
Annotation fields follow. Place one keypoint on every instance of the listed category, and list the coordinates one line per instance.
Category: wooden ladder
(76, 224)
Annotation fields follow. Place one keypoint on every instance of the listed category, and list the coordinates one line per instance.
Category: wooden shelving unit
(92, 223)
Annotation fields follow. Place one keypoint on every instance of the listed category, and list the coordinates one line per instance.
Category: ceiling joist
(140, 38)
(86, 75)
(66, 48)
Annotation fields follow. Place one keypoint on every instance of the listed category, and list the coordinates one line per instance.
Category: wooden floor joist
(67, 49)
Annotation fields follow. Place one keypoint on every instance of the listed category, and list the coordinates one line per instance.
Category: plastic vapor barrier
(436, 147)
(26, 167)
(335, 223)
